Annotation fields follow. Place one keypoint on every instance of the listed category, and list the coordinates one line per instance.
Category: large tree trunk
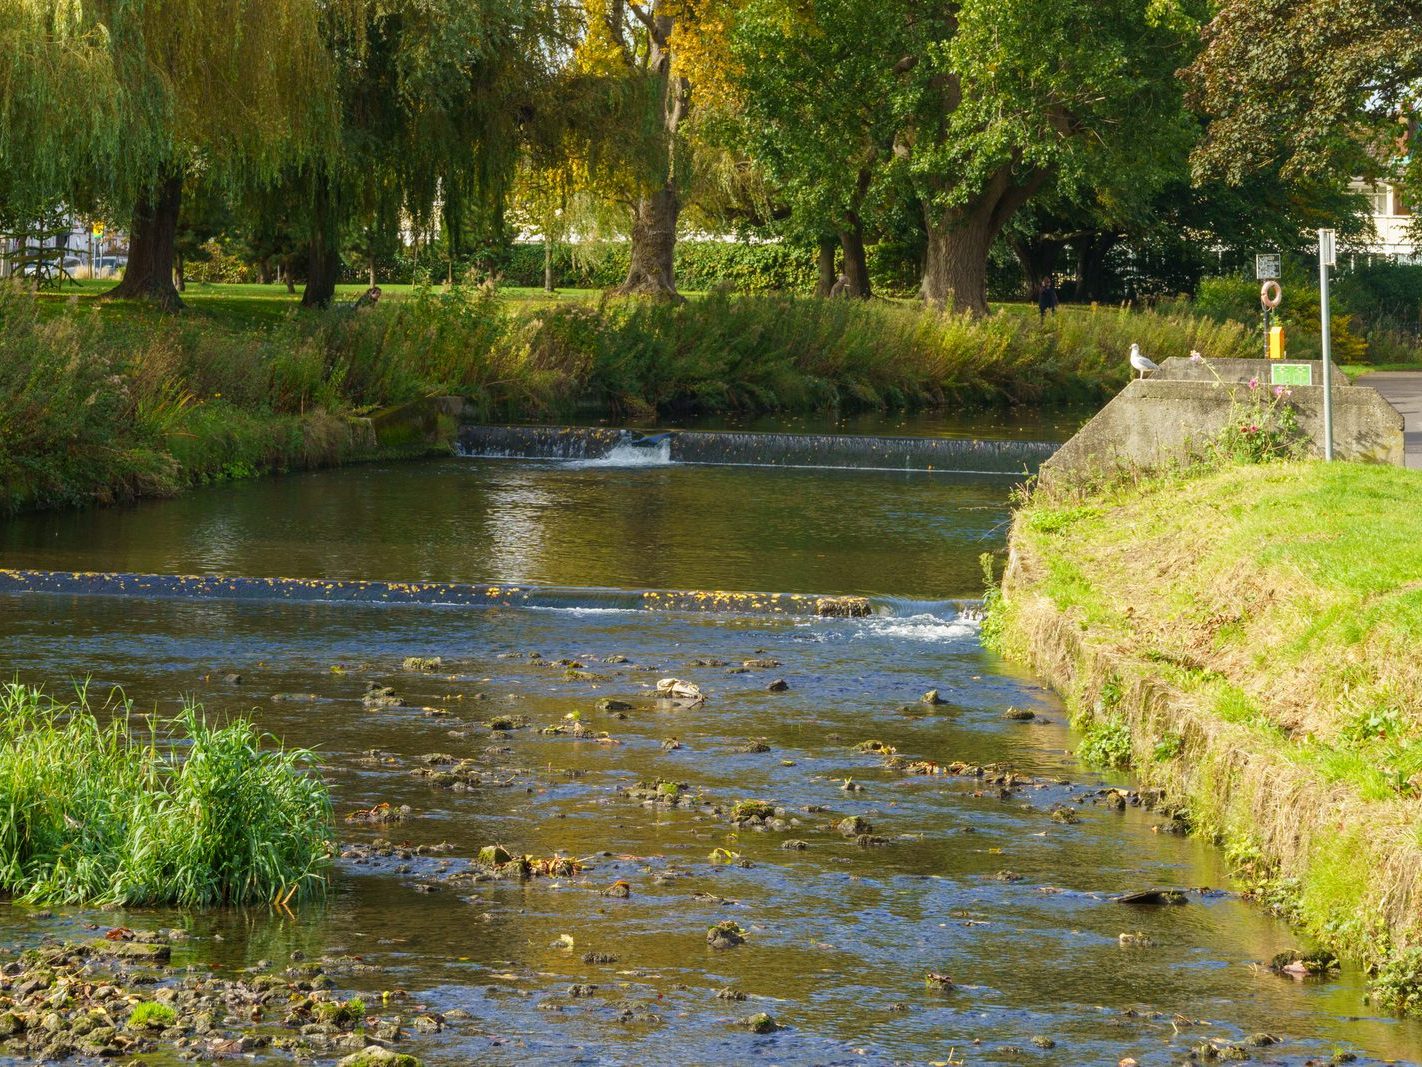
(652, 271)
(323, 264)
(152, 246)
(547, 265)
(856, 263)
(955, 267)
(827, 275)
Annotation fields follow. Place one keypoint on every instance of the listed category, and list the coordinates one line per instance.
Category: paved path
(1403, 390)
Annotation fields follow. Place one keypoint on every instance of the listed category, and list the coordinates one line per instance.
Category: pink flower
(1254, 383)
(1195, 357)
(1282, 391)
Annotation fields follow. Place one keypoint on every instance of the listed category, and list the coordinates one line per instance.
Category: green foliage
(1168, 747)
(1107, 743)
(196, 815)
(1398, 983)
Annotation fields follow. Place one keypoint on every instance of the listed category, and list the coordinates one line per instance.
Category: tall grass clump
(192, 814)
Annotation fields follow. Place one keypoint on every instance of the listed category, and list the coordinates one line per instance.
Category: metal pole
(1325, 239)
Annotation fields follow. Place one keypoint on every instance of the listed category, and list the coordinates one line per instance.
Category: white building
(1393, 220)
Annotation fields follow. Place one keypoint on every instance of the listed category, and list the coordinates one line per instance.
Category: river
(965, 878)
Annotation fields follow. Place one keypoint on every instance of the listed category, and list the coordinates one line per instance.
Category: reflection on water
(969, 881)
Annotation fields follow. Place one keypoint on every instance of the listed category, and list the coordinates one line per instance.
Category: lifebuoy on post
(1270, 294)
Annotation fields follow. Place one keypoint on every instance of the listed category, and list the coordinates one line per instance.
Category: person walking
(1047, 298)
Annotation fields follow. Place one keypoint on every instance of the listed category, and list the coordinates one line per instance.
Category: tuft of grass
(187, 812)
(151, 1014)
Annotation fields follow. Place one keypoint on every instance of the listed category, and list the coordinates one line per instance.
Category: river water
(966, 879)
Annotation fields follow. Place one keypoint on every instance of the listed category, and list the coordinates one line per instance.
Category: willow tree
(432, 94)
(49, 146)
(244, 85)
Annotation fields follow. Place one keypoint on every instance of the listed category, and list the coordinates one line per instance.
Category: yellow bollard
(1276, 342)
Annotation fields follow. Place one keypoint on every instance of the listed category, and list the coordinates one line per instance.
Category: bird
(1142, 363)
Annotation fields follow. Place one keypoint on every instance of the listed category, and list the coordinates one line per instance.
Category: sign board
(97, 229)
(1327, 255)
(1268, 267)
(1291, 374)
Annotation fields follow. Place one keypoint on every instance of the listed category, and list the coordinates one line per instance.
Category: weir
(457, 594)
(611, 446)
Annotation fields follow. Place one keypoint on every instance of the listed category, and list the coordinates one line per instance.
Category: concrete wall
(1157, 422)
(1179, 368)
(425, 425)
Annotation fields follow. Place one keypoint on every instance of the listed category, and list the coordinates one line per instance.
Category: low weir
(613, 446)
(452, 594)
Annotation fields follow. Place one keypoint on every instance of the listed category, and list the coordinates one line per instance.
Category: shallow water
(838, 936)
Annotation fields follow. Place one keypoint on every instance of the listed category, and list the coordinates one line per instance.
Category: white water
(624, 454)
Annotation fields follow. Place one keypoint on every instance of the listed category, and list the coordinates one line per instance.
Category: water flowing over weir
(603, 445)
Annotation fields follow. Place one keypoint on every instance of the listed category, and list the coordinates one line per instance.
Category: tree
(243, 86)
(1005, 98)
(432, 93)
(817, 112)
(1310, 88)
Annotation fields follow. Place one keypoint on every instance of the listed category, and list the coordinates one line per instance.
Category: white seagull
(1142, 363)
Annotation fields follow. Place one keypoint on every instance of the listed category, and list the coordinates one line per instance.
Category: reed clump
(183, 812)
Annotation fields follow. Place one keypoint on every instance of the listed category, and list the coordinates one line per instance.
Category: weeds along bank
(102, 404)
(1247, 640)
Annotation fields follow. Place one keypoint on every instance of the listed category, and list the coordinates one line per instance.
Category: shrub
(196, 815)
(150, 1013)
(1398, 984)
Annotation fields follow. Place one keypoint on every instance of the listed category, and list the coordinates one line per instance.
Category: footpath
(1403, 390)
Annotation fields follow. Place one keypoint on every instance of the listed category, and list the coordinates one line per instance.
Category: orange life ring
(1270, 294)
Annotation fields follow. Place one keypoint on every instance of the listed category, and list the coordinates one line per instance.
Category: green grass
(185, 812)
(1258, 628)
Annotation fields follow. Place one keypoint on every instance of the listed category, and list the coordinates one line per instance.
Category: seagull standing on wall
(1142, 363)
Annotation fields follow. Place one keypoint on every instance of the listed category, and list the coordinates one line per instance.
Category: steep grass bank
(183, 812)
(1247, 640)
(97, 406)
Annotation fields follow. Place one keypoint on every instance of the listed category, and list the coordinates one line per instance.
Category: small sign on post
(1291, 374)
(1267, 267)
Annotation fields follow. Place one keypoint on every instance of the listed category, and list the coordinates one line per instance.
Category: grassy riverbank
(100, 403)
(1247, 640)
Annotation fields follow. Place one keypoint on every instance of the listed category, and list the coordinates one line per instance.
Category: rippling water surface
(970, 881)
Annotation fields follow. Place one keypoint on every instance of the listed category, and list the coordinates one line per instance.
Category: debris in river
(725, 934)
(1300, 965)
(683, 692)
(381, 813)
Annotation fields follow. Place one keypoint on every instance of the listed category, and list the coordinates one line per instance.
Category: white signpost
(1327, 257)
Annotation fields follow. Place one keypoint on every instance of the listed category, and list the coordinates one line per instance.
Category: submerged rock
(1154, 897)
(932, 698)
(780, 685)
(422, 664)
(378, 1056)
(760, 1023)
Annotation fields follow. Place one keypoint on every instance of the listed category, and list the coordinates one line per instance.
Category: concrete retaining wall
(1157, 422)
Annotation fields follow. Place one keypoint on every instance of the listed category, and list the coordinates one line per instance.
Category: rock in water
(378, 1056)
